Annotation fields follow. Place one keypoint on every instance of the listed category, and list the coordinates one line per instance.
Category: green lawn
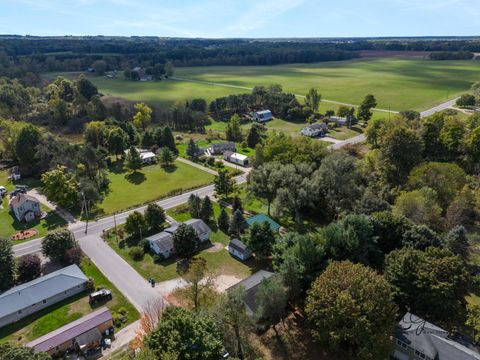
(151, 183)
(344, 133)
(9, 225)
(71, 309)
(219, 262)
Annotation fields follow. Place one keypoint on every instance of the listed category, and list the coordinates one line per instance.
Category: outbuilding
(236, 158)
(262, 116)
(238, 249)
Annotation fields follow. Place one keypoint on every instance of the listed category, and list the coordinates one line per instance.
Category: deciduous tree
(224, 184)
(154, 217)
(351, 305)
(185, 241)
(261, 239)
(57, 242)
(190, 335)
(136, 226)
(364, 112)
(431, 283)
(133, 161)
(166, 157)
(237, 224)
(29, 267)
(61, 185)
(7, 265)
(233, 131)
(271, 300)
(143, 117)
(312, 99)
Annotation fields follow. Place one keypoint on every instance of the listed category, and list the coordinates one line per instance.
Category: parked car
(100, 295)
(3, 191)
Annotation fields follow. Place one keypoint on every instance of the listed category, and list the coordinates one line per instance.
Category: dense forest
(23, 57)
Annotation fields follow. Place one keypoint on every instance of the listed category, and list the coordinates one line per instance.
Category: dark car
(100, 295)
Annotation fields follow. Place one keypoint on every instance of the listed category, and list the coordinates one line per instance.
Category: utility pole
(115, 224)
(85, 205)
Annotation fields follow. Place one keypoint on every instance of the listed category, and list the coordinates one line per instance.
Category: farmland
(398, 84)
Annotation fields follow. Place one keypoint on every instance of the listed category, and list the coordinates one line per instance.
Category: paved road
(438, 108)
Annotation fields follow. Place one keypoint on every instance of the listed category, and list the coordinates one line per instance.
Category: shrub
(90, 284)
(211, 161)
(158, 258)
(203, 158)
(136, 252)
(73, 256)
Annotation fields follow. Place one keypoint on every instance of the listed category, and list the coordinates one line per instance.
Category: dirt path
(66, 215)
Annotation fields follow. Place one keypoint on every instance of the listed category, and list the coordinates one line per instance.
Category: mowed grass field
(150, 183)
(398, 84)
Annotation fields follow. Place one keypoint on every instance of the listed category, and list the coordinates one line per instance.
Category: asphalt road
(361, 138)
(117, 270)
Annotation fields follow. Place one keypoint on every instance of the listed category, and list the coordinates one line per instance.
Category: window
(44, 301)
(19, 311)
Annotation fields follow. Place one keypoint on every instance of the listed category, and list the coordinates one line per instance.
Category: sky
(241, 18)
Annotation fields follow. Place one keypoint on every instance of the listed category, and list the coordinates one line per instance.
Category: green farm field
(398, 84)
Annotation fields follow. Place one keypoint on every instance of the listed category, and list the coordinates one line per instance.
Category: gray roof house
(202, 229)
(83, 333)
(25, 207)
(416, 338)
(23, 300)
(314, 130)
(250, 285)
(262, 116)
(238, 249)
(221, 147)
(161, 244)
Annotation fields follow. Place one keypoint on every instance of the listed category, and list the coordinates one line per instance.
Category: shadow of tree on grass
(136, 177)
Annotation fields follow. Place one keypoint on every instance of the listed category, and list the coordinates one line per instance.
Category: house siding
(12, 318)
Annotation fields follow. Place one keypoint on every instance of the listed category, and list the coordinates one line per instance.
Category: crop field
(398, 84)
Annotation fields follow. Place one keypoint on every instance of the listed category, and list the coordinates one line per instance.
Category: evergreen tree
(166, 157)
(457, 242)
(169, 141)
(194, 205)
(223, 220)
(206, 211)
(237, 204)
(237, 224)
(253, 137)
(133, 160)
(224, 183)
(158, 137)
(192, 149)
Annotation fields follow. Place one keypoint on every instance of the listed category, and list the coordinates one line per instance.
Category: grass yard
(9, 225)
(344, 133)
(150, 183)
(220, 262)
(69, 310)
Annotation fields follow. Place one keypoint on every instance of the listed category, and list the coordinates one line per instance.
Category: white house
(148, 157)
(314, 130)
(25, 207)
(343, 120)
(202, 229)
(221, 147)
(161, 244)
(262, 116)
(238, 249)
(236, 158)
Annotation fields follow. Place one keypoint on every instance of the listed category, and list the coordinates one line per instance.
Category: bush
(29, 267)
(211, 161)
(219, 164)
(136, 252)
(158, 258)
(73, 256)
(119, 319)
(90, 284)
